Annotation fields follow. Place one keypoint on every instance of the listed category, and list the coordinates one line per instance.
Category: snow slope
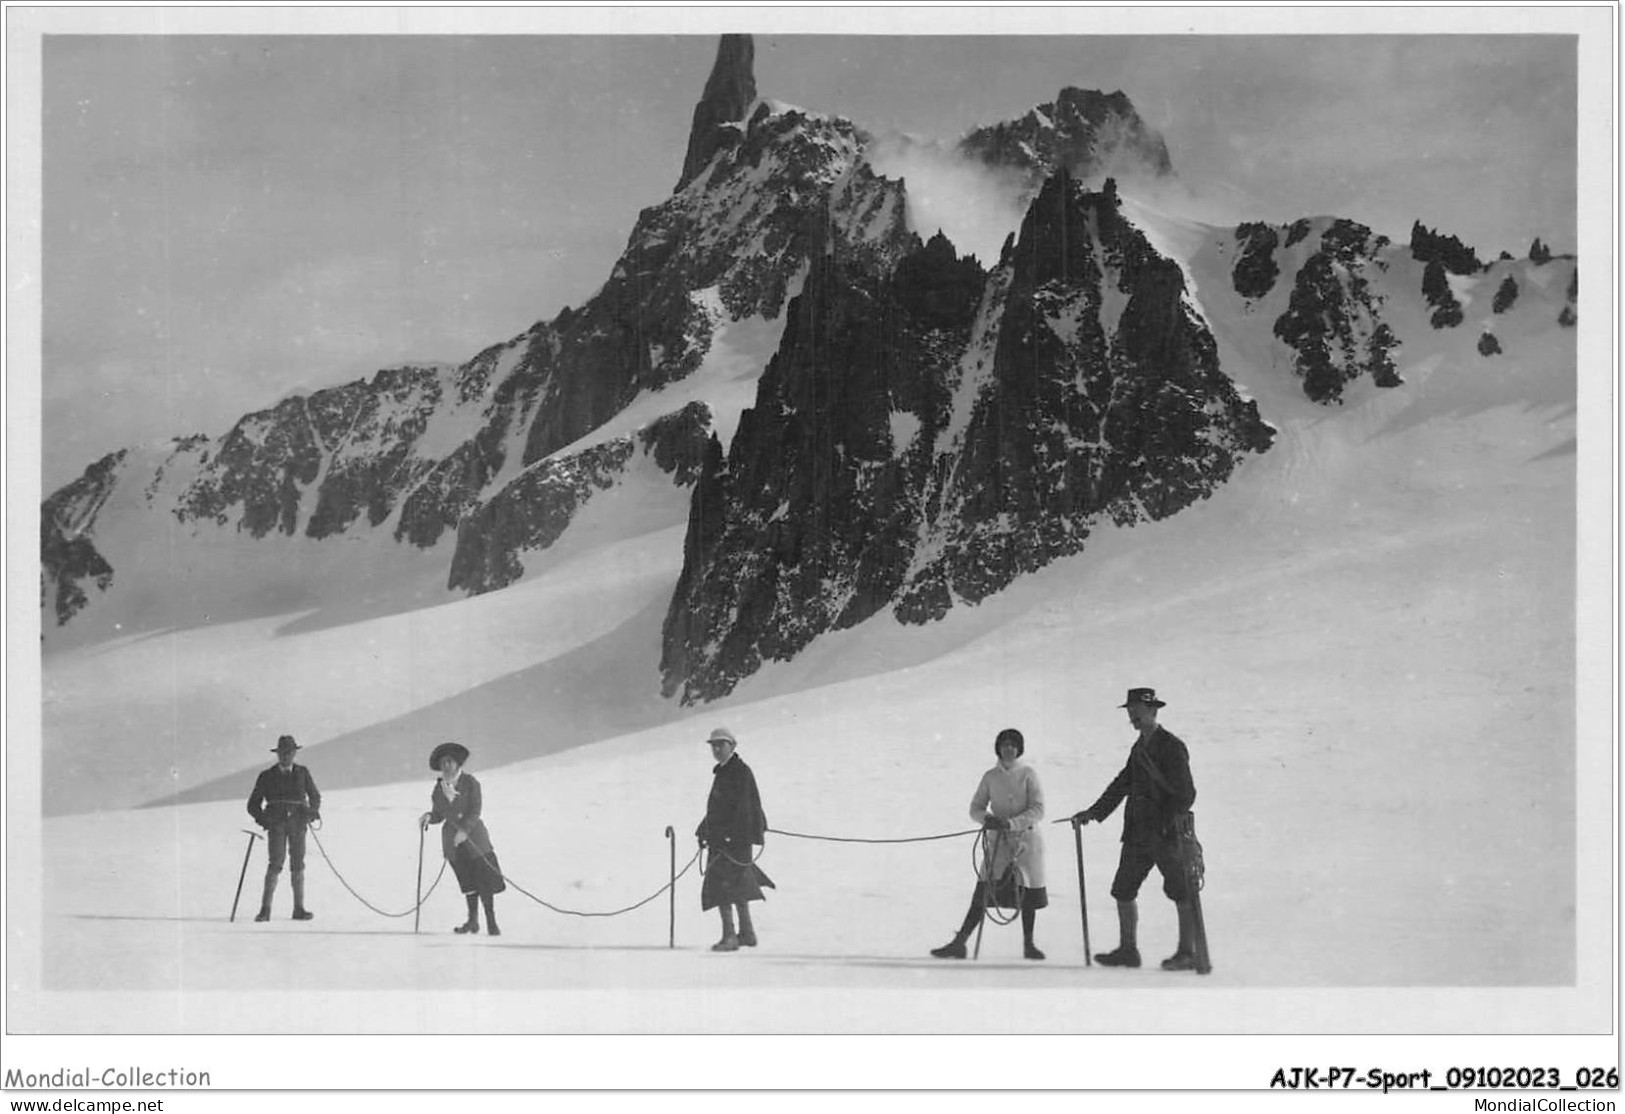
(1367, 641)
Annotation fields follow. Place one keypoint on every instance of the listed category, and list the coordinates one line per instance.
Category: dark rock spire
(729, 92)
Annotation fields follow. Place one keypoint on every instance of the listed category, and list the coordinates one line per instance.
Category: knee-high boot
(489, 901)
(472, 925)
(747, 930)
(1128, 947)
(730, 938)
(266, 895)
(1184, 957)
(300, 913)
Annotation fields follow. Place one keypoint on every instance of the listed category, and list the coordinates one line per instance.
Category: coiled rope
(983, 856)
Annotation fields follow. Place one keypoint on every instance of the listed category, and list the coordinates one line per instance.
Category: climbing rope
(345, 883)
(983, 856)
(583, 913)
(853, 839)
(636, 905)
(724, 854)
(1191, 851)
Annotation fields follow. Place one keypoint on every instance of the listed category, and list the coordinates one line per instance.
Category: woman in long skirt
(455, 801)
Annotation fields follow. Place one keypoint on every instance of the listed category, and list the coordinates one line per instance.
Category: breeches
(1138, 859)
(283, 841)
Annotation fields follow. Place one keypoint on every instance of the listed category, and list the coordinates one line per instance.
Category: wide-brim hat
(1148, 697)
(285, 744)
(456, 750)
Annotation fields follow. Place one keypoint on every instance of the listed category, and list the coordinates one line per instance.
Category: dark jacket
(1152, 809)
(280, 796)
(733, 812)
(460, 815)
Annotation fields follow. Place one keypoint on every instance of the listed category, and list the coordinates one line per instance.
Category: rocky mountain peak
(1087, 132)
(729, 92)
(924, 437)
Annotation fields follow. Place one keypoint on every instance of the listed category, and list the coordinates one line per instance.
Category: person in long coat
(1156, 781)
(734, 823)
(284, 801)
(456, 801)
(1009, 804)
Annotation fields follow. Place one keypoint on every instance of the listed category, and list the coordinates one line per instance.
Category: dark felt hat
(456, 750)
(285, 743)
(1148, 697)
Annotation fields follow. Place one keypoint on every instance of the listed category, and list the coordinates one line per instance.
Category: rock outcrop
(729, 92)
(928, 435)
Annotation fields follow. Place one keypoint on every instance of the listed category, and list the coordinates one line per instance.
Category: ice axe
(417, 908)
(1083, 899)
(252, 836)
(671, 896)
(990, 855)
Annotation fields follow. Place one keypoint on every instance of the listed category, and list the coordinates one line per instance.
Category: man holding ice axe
(1157, 831)
(285, 799)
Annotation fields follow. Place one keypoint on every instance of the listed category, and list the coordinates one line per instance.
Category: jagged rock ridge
(67, 555)
(418, 451)
(729, 92)
(928, 431)
(924, 437)
(533, 511)
(1089, 134)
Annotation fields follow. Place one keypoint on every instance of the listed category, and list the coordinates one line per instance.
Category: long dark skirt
(477, 874)
(1004, 895)
(731, 879)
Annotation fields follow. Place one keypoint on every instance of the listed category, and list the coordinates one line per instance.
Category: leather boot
(265, 898)
(1128, 948)
(955, 948)
(1029, 950)
(472, 925)
(747, 930)
(730, 938)
(300, 913)
(489, 901)
(1184, 957)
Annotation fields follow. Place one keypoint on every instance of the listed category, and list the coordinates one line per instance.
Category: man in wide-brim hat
(1156, 779)
(285, 799)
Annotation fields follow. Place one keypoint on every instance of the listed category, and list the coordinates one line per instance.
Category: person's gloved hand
(995, 824)
(459, 839)
(423, 821)
(1084, 817)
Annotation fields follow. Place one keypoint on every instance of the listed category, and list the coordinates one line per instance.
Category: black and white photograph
(1086, 525)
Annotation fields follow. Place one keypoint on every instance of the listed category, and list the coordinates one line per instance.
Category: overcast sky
(230, 218)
